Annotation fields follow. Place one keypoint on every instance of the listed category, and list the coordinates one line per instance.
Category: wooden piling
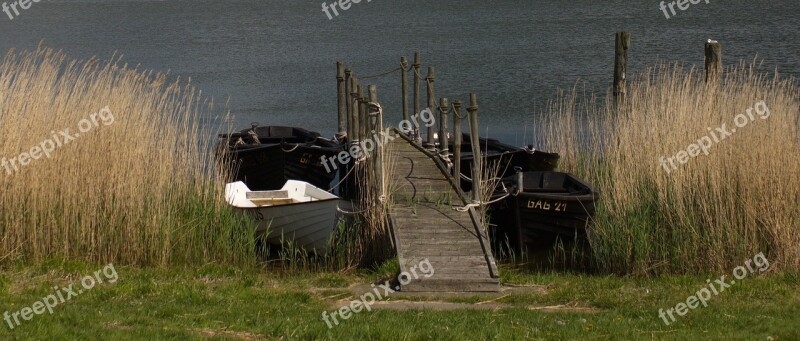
(348, 103)
(713, 59)
(431, 106)
(372, 93)
(352, 102)
(457, 140)
(417, 64)
(365, 121)
(444, 106)
(622, 41)
(477, 161)
(360, 102)
(377, 157)
(404, 85)
(342, 98)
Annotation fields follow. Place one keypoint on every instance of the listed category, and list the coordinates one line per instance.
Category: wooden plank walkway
(425, 225)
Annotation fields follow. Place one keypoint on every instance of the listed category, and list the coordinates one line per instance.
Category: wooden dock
(426, 225)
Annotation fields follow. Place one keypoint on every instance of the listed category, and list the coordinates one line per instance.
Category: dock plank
(426, 226)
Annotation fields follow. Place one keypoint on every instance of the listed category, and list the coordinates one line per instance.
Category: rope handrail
(382, 73)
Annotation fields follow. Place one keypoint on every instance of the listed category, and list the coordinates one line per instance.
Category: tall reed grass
(139, 191)
(709, 214)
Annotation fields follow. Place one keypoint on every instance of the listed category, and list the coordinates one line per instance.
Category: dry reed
(140, 190)
(710, 213)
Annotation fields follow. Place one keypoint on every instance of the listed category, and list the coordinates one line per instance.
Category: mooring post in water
(622, 42)
(416, 66)
(404, 84)
(713, 59)
(444, 106)
(457, 141)
(431, 106)
(477, 161)
(342, 100)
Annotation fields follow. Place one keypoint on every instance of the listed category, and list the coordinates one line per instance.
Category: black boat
(547, 206)
(509, 157)
(265, 157)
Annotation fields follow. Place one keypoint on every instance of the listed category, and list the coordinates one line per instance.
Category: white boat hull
(308, 225)
(299, 213)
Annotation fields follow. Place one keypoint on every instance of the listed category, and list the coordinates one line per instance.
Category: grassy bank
(219, 302)
(668, 207)
(125, 177)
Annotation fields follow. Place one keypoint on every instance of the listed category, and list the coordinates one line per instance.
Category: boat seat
(280, 194)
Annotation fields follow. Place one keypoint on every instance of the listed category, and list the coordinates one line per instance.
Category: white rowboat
(298, 212)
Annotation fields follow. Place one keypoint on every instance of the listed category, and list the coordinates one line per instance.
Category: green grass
(221, 302)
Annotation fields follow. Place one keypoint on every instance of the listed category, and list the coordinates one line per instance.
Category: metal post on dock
(622, 41)
(444, 106)
(416, 66)
(477, 161)
(431, 106)
(404, 84)
(713, 59)
(342, 99)
(457, 140)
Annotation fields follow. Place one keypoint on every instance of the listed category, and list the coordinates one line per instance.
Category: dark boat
(509, 157)
(265, 157)
(547, 206)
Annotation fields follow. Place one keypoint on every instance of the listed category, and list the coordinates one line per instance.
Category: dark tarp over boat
(550, 205)
(265, 157)
(508, 156)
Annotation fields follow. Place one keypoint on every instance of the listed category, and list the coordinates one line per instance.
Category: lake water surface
(275, 60)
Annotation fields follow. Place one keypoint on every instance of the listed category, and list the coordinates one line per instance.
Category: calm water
(275, 60)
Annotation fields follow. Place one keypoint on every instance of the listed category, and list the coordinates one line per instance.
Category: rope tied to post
(377, 106)
(343, 179)
(479, 203)
(452, 109)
